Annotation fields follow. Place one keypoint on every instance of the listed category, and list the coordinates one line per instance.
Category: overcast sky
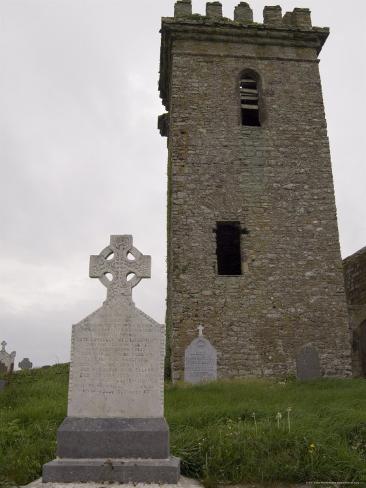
(81, 157)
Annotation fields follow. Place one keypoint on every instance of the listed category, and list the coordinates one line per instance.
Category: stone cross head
(120, 267)
(200, 330)
(3, 344)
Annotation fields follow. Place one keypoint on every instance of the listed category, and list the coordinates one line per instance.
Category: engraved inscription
(200, 361)
(117, 367)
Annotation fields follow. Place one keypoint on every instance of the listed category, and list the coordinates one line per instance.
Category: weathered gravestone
(6, 359)
(200, 361)
(25, 364)
(3, 384)
(115, 429)
(307, 363)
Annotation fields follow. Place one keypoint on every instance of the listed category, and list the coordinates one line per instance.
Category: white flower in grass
(278, 418)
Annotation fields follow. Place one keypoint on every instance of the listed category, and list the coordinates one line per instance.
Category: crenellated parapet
(289, 34)
(299, 18)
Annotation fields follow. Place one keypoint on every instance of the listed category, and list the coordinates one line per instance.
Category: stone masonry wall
(355, 281)
(276, 180)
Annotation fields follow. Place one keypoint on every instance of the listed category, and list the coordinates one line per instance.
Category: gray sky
(81, 157)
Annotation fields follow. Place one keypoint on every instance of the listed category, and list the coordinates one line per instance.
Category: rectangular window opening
(228, 248)
(250, 117)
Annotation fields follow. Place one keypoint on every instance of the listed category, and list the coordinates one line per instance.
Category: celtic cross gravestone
(124, 263)
(6, 359)
(115, 429)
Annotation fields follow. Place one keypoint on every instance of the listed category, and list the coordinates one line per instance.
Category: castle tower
(253, 248)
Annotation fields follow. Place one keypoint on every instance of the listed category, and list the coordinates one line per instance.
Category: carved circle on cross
(121, 260)
(109, 254)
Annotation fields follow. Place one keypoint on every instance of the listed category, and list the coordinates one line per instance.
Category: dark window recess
(228, 248)
(249, 100)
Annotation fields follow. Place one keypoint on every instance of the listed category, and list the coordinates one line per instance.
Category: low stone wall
(355, 283)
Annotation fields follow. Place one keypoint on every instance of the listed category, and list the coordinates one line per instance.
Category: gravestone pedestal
(115, 429)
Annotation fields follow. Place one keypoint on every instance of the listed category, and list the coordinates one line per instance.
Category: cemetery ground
(228, 432)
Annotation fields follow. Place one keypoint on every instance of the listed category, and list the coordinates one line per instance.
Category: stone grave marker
(3, 384)
(115, 429)
(200, 361)
(25, 364)
(307, 363)
(6, 359)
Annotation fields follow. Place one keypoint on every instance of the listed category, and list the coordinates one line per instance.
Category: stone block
(287, 19)
(183, 8)
(163, 124)
(301, 18)
(113, 438)
(272, 15)
(243, 13)
(214, 10)
(162, 471)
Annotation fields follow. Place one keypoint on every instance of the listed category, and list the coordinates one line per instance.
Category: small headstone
(307, 363)
(115, 429)
(3, 383)
(200, 363)
(7, 359)
(25, 364)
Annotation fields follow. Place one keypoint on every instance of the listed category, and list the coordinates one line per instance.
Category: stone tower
(253, 248)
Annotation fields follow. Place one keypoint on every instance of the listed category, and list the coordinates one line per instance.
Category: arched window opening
(249, 99)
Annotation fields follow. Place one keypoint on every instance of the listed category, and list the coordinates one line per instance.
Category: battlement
(299, 18)
(292, 30)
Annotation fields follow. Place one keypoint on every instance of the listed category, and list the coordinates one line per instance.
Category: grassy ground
(229, 432)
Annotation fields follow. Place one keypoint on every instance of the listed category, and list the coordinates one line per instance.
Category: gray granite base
(161, 471)
(113, 449)
(80, 438)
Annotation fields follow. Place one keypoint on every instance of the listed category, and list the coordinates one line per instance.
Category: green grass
(32, 407)
(212, 426)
